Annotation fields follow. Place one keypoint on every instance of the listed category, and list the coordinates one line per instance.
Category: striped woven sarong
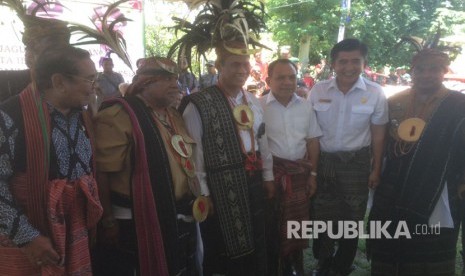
(294, 205)
(445, 268)
(342, 192)
(73, 208)
(421, 255)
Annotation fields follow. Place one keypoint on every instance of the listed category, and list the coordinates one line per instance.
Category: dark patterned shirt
(70, 158)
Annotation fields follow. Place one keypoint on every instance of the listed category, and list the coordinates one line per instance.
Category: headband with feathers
(217, 23)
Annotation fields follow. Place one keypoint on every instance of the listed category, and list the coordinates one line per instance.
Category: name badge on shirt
(324, 100)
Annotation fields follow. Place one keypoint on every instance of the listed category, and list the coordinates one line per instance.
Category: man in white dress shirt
(233, 165)
(292, 132)
(352, 114)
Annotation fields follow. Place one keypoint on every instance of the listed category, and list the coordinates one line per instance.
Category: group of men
(209, 189)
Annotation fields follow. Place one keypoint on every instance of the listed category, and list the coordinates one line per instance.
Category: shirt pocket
(360, 116)
(323, 114)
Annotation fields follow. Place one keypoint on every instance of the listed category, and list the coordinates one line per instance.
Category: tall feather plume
(429, 43)
(106, 34)
(19, 6)
(416, 42)
(16, 5)
(218, 20)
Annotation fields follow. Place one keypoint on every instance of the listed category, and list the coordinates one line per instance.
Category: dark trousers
(121, 260)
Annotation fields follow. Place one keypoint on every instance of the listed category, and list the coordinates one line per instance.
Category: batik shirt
(70, 158)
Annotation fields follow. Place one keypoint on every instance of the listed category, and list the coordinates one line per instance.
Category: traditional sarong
(444, 268)
(62, 210)
(342, 194)
(73, 209)
(294, 205)
(216, 259)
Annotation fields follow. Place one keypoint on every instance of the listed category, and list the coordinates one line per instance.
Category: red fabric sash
(284, 169)
(294, 204)
(61, 210)
(152, 259)
(36, 163)
(77, 200)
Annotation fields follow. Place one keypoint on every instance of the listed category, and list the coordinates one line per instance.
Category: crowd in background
(256, 83)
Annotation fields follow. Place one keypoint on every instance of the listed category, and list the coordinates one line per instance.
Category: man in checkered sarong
(352, 114)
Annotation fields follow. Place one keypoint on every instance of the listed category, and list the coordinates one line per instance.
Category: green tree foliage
(317, 20)
(380, 24)
(158, 40)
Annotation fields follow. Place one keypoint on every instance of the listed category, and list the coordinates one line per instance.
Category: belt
(345, 156)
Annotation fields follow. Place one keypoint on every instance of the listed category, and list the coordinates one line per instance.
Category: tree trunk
(304, 50)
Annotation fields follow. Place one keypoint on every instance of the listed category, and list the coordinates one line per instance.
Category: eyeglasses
(92, 81)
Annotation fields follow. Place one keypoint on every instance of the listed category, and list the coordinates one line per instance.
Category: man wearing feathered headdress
(423, 181)
(49, 202)
(233, 163)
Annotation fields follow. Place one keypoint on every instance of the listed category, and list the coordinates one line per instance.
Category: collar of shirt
(271, 98)
(53, 111)
(238, 98)
(359, 84)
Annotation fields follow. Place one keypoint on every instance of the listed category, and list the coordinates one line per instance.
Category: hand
(311, 185)
(373, 179)
(270, 189)
(40, 252)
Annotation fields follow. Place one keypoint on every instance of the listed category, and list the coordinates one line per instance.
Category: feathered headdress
(105, 32)
(429, 44)
(37, 27)
(217, 23)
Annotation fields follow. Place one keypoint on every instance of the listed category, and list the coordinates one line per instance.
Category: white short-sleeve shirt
(345, 119)
(289, 127)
